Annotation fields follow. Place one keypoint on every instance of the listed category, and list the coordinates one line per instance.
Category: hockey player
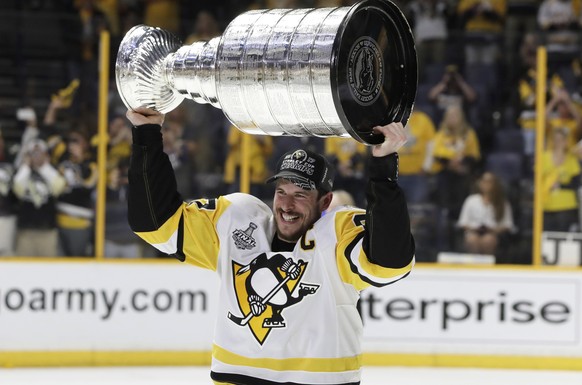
(290, 277)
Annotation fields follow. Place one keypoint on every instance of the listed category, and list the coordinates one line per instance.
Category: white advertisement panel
(476, 311)
(106, 306)
(119, 306)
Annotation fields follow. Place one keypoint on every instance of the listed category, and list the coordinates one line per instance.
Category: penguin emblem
(264, 288)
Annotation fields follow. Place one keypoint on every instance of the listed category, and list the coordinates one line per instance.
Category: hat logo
(299, 161)
(299, 155)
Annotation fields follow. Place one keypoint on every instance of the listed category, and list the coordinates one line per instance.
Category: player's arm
(376, 247)
(153, 191)
(388, 241)
(156, 211)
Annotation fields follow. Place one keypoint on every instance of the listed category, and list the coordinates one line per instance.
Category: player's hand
(394, 138)
(143, 115)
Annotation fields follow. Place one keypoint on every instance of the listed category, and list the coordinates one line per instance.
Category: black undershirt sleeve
(153, 194)
(388, 241)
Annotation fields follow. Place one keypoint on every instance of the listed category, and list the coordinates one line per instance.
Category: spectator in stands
(520, 22)
(54, 126)
(457, 155)
(349, 158)
(561, 25)
(7, 201)
(28, 125)
(429, 19)
(260, 150)
(526, 105)
(119, 149)
(486, 217)
(560, 182)
(36, 185)
(452, 90)
(416, 158)
(47, 130)
(75, 207)
(482, 22)
(562, 114)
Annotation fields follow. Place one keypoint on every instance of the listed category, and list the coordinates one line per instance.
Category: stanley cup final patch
(243, 239)
(264, 289)
(365, 70)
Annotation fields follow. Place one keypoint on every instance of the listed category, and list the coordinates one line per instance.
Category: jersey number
(206, 204)
(359, 219)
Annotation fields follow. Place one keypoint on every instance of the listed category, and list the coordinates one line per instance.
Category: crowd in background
(467, 169)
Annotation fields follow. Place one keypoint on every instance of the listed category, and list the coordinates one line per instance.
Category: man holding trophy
(290, 276)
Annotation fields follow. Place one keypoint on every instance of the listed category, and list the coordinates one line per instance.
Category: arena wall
(79, 312)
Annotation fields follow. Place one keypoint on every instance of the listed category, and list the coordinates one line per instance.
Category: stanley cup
(302, 72)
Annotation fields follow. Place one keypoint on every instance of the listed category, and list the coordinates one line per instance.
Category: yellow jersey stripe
(165, 232)
(346, 230)
(353, 264)
(201, 242)
(346, 274)
(308, 364)
(380, 271)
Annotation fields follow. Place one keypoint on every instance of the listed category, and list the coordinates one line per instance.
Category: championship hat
(306, 169)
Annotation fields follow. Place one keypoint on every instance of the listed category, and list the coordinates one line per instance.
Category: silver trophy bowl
(303, 72)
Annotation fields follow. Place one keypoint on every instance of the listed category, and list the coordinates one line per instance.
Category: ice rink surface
(199, 376)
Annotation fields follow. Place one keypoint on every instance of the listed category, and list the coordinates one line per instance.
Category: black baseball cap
(306, 169)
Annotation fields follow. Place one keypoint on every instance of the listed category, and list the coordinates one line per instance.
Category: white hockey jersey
(275, 327)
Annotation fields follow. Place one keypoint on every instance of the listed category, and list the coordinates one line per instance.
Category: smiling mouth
(289, 217)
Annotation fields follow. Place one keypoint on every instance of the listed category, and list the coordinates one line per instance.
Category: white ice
(199, 376)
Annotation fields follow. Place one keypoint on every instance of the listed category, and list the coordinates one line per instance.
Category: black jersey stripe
(179, 254)
(239, 379)
(355, 270)
(353, 267)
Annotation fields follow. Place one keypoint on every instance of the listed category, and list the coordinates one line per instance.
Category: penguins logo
(264, 288)
(365, 70)
(299, 155)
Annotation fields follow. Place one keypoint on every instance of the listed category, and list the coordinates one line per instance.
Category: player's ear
(326, 201)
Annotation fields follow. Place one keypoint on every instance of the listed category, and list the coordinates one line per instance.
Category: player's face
(296, 209)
